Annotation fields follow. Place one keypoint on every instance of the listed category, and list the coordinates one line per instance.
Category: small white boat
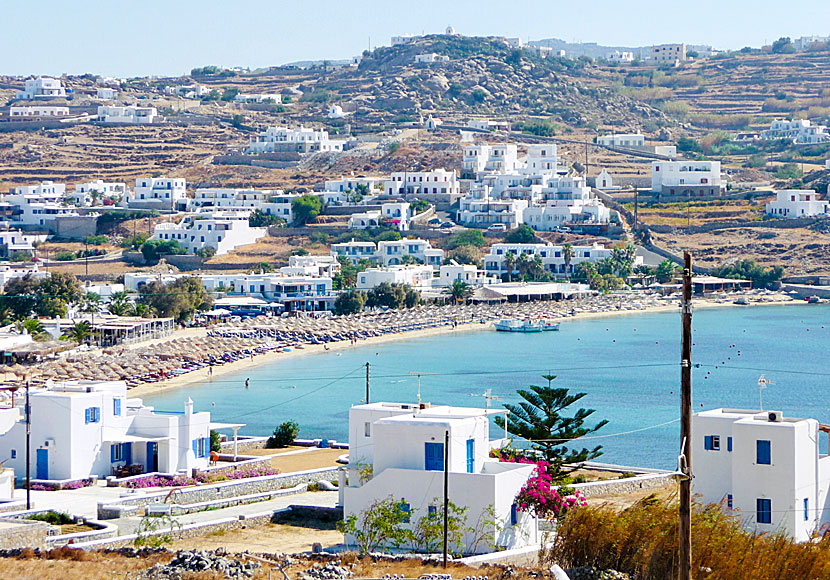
(513, 325)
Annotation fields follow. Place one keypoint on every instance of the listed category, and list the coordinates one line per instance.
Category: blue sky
(155, 37)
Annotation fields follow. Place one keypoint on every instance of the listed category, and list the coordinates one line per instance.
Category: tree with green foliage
(410, 260)
(382, 524)
(465, 238)
(350, 302)
(460, 291)
(153, 250)
(347, 276)
(215, 441)
(179, 300)
(568, 255)
(229, 94)
(388, 236)
(688, 145)
(120, 304)
(205, 253)
(427, 534)
(788, 171)
(284, 435)
(665, 271)
(80, 332)
(134, 242)
(523, 234)
(392, 296)
(260, 219)
(468, 254)
(783, 46)
(96, 240)
(540, 419)
(90, 303)
(305, 208)
(750, 270)
(509, 264)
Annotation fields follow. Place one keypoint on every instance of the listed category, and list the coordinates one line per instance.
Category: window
(201, 446)
(121, 452)
(14, 453)
(729, 444)
(432, 510)
(763, 452)
(514, 516)
(711, 442)
(367, 429)
(92, 415)
(116, 407)
(729, 501)
(470, 455)
(115, 453)
(763, 507)
(407, 510)
(806, 509)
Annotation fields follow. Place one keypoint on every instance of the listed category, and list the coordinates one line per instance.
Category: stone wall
(23, 534)
(627, 485)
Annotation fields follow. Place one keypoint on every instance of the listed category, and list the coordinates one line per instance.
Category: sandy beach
(203, 375)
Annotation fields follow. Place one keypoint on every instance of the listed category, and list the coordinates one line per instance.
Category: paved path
(79, 502)
(320, 498)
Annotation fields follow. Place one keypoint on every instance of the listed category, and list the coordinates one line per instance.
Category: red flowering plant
(541, 497)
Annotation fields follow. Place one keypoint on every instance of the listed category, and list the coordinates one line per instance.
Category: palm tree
(509, 264)
(90, 302)
(567, 255)
(522, 264)
(460, 291)
(537, 267)
(120, 304)
(80, 332)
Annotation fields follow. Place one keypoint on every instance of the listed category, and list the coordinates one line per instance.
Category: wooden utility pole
(367, 383)
(28, 449)
(636, 205)
(446, 490)
(685, 512)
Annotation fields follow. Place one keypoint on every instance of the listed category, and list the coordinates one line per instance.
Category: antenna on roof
(488, 396)
(763, 382)
(419, 383)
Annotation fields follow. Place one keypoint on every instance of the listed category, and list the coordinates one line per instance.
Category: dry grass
(312, 460)
(642, 541)
(69, 564)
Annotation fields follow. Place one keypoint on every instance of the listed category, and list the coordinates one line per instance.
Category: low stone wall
(12, 505)
(215, 491)
(242, 462)
(102, 531)
(245, 444)
(627, 485)
(23, 534)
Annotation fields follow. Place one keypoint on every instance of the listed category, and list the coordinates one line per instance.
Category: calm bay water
(627, 365)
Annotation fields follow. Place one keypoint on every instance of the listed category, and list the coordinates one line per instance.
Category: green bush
(284, 435)
(96, 240)
(52, 517)
(65, 256)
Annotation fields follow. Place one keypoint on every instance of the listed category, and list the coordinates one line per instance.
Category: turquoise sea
(628, 366)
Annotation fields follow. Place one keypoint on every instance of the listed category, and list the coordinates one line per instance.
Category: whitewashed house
(479, 209)
(391, 253)
(345, 184)
(221, 230)
(364, 220)
(194, 91)
(396, 213)
(405, 446)
(668, 53)
(38, 205)
(258, 98)
(24, 112)
(604, 180)
(764, 468)
(422, 183)
(488, 125)
(418, 276)
(431, 57)
(552, 256)
(466, 273)
(128, 114)
(106, 93)
(354, 251)
(484, 158)
(624, 56)
(15, 242)
(42, 88)
(83, 194)
(325, 266)
(159, 193)
(86, 428)
(687, 179)
(302, 140)
(797, 131)
(792, 203)
(622, 140)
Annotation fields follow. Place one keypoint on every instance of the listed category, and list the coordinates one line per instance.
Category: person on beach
(247, 383)
(210, 371)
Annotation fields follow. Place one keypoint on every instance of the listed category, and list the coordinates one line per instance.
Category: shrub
(96, 240)
(52, 517)
(65, 256)
(284, 435)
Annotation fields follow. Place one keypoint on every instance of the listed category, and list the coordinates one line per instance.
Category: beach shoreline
(205, 376)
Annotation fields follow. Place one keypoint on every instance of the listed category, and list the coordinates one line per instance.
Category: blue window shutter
(763, 452)
(729, 444)
(764, 510)
(729, 501)
(434, 456)
(470, 455)
(196, 447)
(112, 453)
(127, 452)
(707, 442)
(86, 415)
(514, 516)
(806, 509)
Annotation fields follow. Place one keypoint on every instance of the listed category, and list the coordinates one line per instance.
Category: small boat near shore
(514, 325)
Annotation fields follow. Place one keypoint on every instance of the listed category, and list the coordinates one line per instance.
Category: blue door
(434, 456)
(42, 470)
(152, 456)
(470, 455)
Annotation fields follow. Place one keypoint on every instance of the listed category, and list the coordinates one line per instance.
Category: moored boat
(514, 325)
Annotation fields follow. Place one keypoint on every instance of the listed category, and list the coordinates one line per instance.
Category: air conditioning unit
(775, 416)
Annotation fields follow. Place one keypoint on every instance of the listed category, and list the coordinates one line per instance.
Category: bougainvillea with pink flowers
(542, 498)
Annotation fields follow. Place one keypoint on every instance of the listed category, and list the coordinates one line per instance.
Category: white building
(417, 276)
(488, 125)
(792, 203)
(13, 242)
(423, 183)
(604, 180)
(158, 193)
(480, 210)
(553, 258)
(397, 214)
(23, 112)
(805, 42)
(325, 266)
(404, 39)
(42, 88)
(431, 57)
(302, 140)
(364, 220)
(85, 428)
(687, 179)
(764, 468)
(622, 140)
(354, 251)
(483, 158)
(405, 445)
(797, 131)
(391, 253)
(38, 205)
(128, 114)
(345, 184)
(620, 56)
(258, 98)
(83, 195)
(223, 231)
(467, 273)
(106, 93)
(668, 53)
